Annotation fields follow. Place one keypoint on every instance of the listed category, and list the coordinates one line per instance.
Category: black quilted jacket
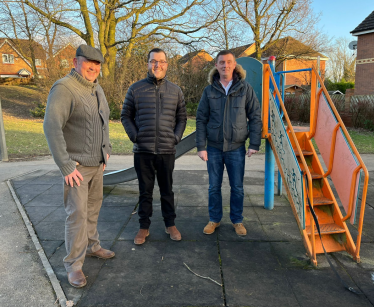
(154, 115)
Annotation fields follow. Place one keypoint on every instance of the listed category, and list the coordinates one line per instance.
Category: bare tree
(120, 25)
(270, 20)
(229, 30)
(19, 26)
(342, 61)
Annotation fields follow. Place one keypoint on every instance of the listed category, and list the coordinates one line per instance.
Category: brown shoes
(140, 237)
(102, 253)
(210, 228)
(240, 229)
(174, 233)
(77, 279)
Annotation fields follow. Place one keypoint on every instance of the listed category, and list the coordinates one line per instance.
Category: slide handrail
(353, 148)
(268, 76)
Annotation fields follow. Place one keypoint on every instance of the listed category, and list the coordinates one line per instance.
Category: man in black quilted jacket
(154, 117)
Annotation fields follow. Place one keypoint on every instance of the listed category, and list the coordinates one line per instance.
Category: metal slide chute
(185, 145)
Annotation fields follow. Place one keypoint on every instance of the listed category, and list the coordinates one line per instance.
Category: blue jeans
(235, 162)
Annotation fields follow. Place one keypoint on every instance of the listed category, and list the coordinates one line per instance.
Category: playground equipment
(305, 180)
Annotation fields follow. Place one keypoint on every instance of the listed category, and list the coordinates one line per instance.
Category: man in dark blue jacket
(228, 113)
(154, 117)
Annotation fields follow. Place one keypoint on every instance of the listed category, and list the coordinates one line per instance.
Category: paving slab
(268, 267)
(192, 195)
(27, 177)
(258, 200)
(255, 278)
(278, 231)
(38, 214)
(291, 255)
(164, 280)
(29, 191)
(45, 199)
(283, 214)
(319, 287)
(191, 177)
(255, 232)
(51, 246)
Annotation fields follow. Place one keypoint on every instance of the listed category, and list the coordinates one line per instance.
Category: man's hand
(203, 155)
(104, 165)
(74, 176)
(250, 152)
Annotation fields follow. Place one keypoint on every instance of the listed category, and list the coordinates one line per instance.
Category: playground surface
(268, 267)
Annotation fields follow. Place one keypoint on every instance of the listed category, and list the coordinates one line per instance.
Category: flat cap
(90, 53)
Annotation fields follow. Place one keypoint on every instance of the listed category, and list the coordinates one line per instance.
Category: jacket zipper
(157, 115)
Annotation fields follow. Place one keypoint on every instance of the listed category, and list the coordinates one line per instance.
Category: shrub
(191, 108)
(115, 110)
(362, 110)
(298, 107)
(340, 86)
(38, 111)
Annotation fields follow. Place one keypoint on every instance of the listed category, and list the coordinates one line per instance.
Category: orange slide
(306, 180)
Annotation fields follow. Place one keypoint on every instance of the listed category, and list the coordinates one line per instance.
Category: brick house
(364, 80)
(292, 54)
(244, 51)
(197, 60)
(63, 58)
(16, 58)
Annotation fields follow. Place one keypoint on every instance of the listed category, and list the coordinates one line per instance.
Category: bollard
(3, 148)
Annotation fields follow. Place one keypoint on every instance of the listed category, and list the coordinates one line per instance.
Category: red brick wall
(12, 69)
(364, 81)
(66, 54)
(301, 78)
(199, 61)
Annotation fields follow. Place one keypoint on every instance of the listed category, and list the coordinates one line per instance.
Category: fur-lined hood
(240, 72)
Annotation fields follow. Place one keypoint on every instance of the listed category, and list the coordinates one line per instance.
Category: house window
(64, 63)
(8, 58)
(38, 62)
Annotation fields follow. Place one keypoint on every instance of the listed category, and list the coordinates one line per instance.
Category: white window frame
(38, 62)
(8, 58)
(64, 63)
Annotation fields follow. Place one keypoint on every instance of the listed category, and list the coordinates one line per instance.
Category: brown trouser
(82, 205)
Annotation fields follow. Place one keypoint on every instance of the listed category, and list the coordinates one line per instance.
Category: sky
(341, 17)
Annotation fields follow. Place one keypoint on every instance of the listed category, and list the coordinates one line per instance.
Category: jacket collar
(82, 81)
(239, 73)
(153, 80)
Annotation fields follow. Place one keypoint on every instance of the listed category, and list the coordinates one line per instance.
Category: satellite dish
(352, 45)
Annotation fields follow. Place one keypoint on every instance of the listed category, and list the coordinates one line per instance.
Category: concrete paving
(268, 267)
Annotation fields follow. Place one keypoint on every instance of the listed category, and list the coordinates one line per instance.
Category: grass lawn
(25, 138)
(17, 101)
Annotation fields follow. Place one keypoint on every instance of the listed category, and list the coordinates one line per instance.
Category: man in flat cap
(77, 131)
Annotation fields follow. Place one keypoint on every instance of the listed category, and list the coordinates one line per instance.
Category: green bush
(115, 110)
(362, 110)
(191, 108)
(38, 111)
(340, 86)
(369, 125)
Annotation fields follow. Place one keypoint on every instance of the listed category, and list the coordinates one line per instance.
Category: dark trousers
(147, 167)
